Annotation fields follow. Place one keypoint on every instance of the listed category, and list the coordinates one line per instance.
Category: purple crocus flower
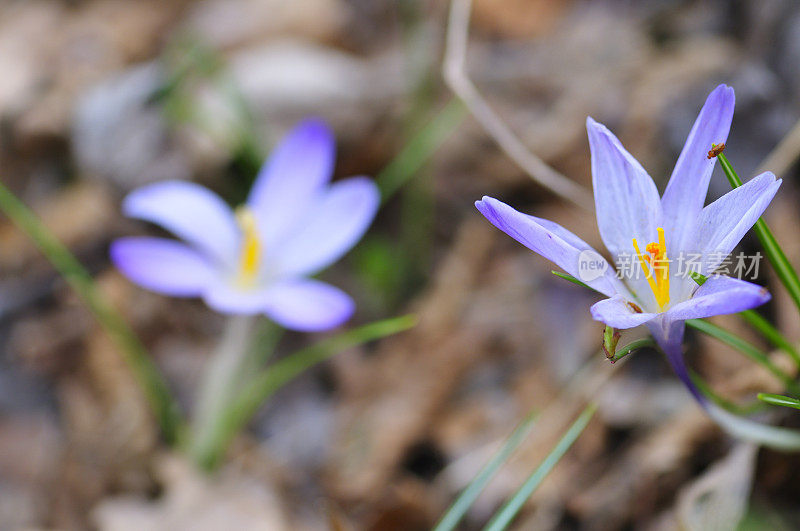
(634, 220)
(256, 259)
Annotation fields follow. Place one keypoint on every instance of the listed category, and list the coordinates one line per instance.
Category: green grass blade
(771, 333)
(786, 273)
(572, 279)
(468, 496)
(779, 400)
(147, 374)
(721, 401)
(509, 510)
(766, 329)
(419, 149)
(268, 382)
(745, 348)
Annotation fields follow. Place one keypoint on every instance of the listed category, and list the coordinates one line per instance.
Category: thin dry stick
(456, 78)
(785, 154)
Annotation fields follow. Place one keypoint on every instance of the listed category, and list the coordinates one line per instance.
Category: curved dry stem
(456, 78)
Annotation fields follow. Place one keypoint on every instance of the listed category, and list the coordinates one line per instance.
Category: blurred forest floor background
(98, 97)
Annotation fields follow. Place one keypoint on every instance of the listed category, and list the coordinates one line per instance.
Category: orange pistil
(656, 268)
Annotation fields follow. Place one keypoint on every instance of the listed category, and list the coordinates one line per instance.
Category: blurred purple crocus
(630, 214)
(257, 258)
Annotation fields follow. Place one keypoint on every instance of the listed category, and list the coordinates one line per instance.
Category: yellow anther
(656, 258)
(250, 253)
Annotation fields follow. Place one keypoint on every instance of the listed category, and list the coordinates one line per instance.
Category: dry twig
(456, 78)
(782, 158)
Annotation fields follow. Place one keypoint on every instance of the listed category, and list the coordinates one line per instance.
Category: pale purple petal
(299, 166)
(303, 305)
(161, 265)
(722, 224)
(224, 296)
(333, 225)
(668, 334)
(558, 246)
(191, 212)
(308, 305)
(626, 199)
(718, 296)
(617, 313)
(687, 188)
(561, 232)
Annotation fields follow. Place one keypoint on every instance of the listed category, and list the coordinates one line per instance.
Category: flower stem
(222, 379)
(630, 347)
(262, 385)
(786, 273)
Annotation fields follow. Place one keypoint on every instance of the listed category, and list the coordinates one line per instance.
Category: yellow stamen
(656, 258)
(250, 254)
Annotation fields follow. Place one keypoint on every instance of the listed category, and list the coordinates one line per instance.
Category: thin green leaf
(745, 348)
(771, 333)
(572, 279)
(468, 496)
(786, 273)
(755, 320)
(779, 400)
(268, 382)
(136, 356)
(506, 514)
(737, 409)
(419, 149)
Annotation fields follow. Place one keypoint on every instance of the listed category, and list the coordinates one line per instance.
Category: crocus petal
(191, 212)
(162, 265)
(299, 166)
(687, 188)
(719, 296)
(668, 334)
(723, 223)
(303, 305)
(626, 199)
(553, 242)
(308, 305)
(337, 221)
(561, 232)
(224, 296)
(616, 312)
